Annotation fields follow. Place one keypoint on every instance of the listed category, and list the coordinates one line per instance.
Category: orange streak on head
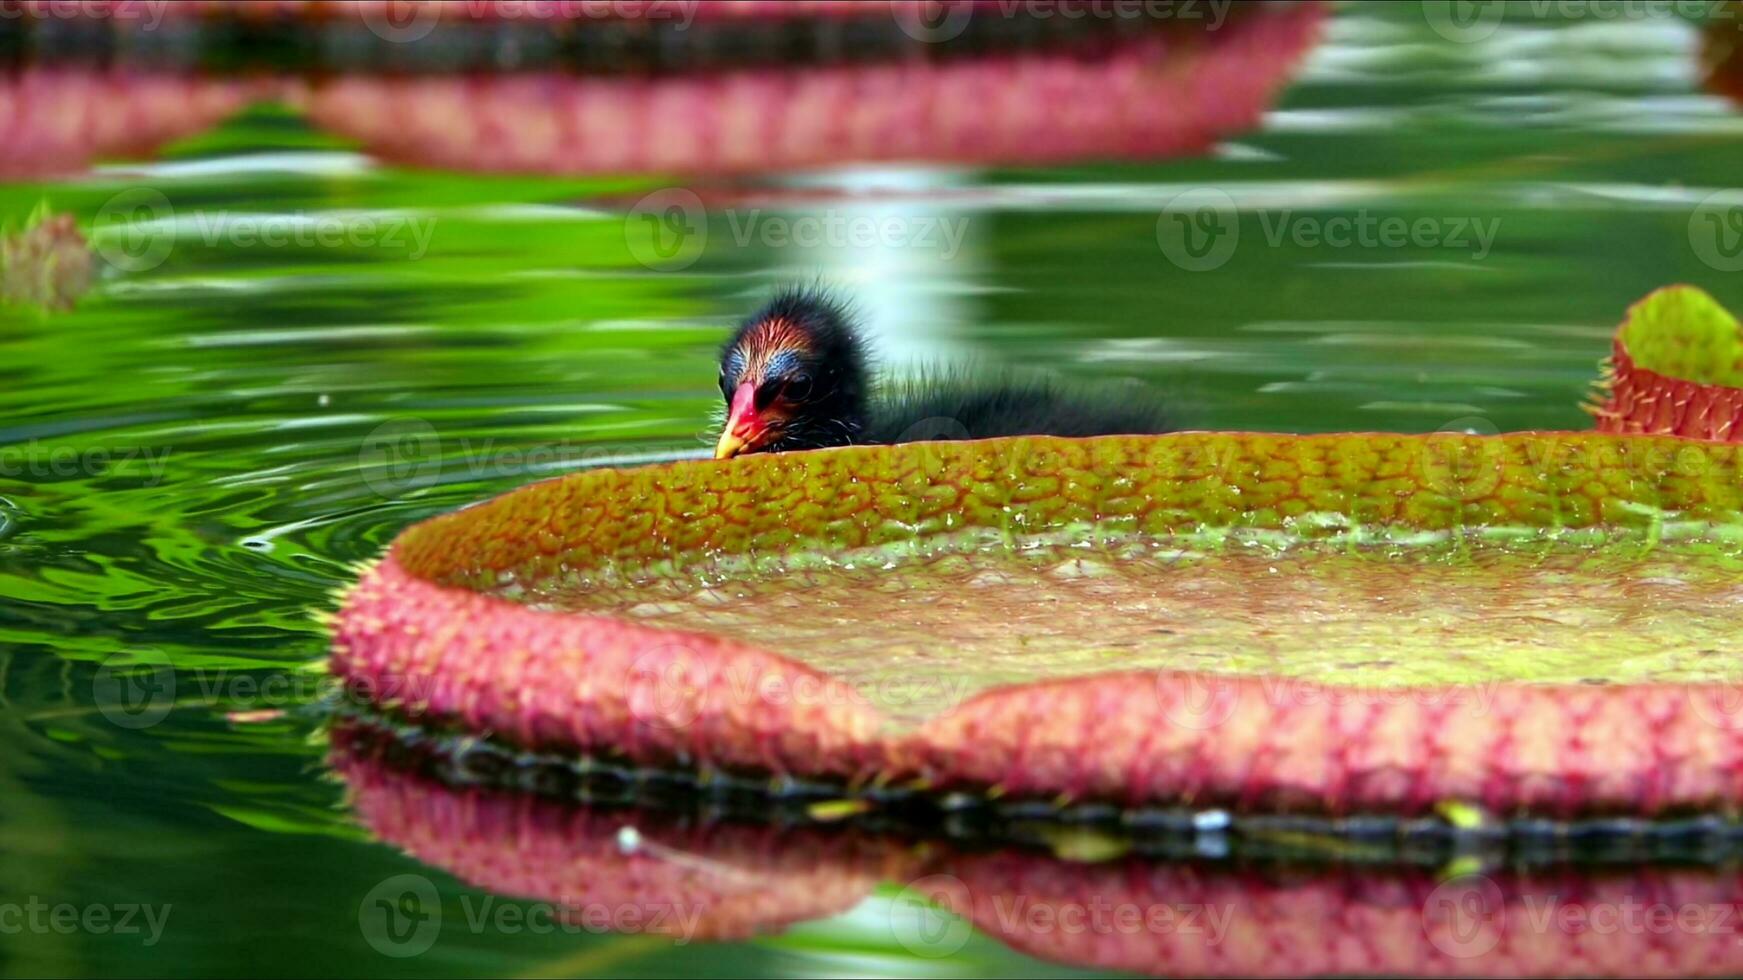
(764, 340)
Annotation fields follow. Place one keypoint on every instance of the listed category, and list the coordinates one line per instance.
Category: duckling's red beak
(744, 429)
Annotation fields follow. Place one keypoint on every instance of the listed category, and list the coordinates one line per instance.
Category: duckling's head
(793, 376)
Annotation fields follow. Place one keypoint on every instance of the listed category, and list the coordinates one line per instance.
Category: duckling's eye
(796, 388)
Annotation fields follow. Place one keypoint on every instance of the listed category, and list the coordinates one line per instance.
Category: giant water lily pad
(1537, 621)
(1677, 368)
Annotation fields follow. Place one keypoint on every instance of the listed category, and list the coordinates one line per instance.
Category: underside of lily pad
(1538, 622)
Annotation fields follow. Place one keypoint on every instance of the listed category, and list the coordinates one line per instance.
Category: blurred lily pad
(1677, 369)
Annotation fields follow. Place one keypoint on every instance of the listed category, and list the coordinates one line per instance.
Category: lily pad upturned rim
(1676, 368)
(419, 638)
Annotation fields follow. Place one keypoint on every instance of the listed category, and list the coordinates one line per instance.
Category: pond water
(1428, 234)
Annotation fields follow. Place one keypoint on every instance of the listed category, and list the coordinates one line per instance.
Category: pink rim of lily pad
(431, 635)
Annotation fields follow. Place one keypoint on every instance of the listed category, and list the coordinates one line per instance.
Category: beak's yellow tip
(728, 446)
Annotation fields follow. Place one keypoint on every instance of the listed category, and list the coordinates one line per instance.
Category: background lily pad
(1677, 369)
(1219, 78)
